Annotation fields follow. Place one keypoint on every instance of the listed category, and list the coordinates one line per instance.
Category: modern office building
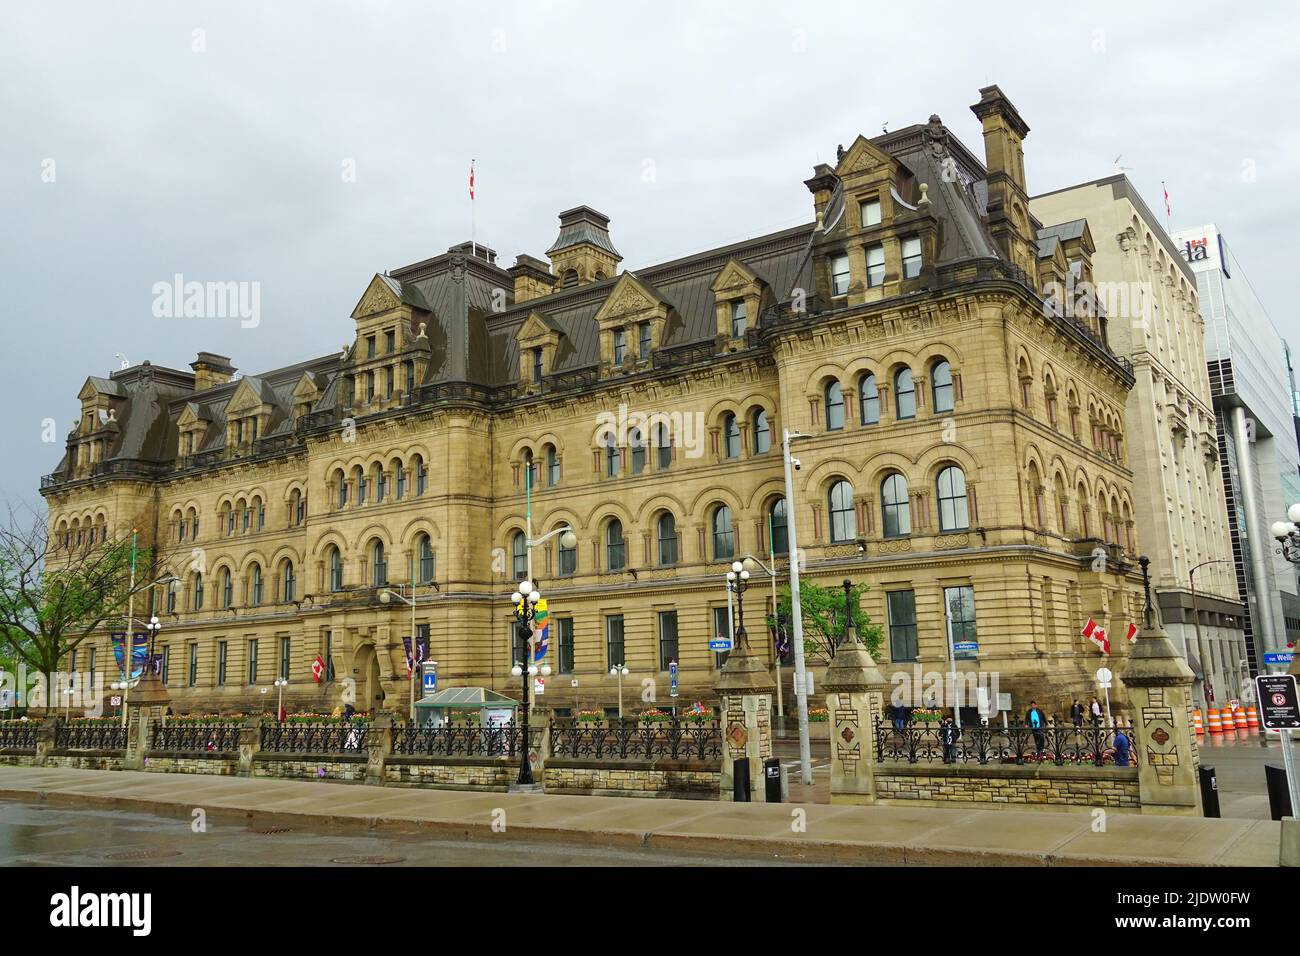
(1153, 317)
(1254, 407)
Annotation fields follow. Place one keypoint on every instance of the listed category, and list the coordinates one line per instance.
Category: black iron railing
(310, 738)
(462, 739)
(18, 734)
(91, 734)
(630, 739)
(1059, 744)
(187, 737)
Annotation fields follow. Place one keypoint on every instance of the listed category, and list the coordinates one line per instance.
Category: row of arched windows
(870, 402)
(81, 532)
(377, 484)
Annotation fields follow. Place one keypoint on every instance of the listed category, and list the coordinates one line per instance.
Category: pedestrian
(1036, 721)
(1122, 745)
(348, 711)
(1076, 714)
(948, 734)
(899, 715)
(1094, 709)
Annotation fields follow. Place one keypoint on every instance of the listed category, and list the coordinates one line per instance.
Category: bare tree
(54, 595)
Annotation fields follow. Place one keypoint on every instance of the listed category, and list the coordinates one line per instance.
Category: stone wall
(308, 767)
(210, 763)
(681, 779)
(84, 759)
(451, 773)
(997, 785)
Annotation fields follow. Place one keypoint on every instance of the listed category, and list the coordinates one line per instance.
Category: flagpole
(129, 641)
(473, 214)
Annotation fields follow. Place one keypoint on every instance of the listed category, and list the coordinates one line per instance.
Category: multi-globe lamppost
(525, 601)
(738, 581)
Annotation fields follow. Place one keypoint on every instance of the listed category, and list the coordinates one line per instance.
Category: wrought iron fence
(91, 734)
(18, 734)
(1059, 744)
(315, 738)
(189, 737)
(631, 739)
(462, 739)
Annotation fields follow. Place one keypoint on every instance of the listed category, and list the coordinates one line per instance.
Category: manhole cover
(273, 830)
(140, 854)
(367, 860)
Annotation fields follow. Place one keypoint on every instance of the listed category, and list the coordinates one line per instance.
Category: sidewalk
(915, 836)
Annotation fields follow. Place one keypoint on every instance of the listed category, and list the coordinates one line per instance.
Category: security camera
(795, 462)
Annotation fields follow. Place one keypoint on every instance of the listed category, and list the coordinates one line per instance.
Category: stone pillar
(46, 740)
(145, 705)
(250, 742)
(745, 689)
(854, 702)
(379, 744)
(1159, 684)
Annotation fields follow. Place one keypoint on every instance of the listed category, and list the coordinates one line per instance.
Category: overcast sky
(306, 146)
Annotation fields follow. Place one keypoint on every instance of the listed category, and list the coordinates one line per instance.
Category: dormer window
(840, 275)
(911, 257)
(370, 346)
(738, 319)
(875, 267)
(620, 346)
(869, 213)
(643, 341)
(537, 366)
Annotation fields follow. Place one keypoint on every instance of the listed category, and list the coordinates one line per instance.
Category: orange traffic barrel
(1216, 728)
(1196, 719)
(1239, 718)
(1252, 718)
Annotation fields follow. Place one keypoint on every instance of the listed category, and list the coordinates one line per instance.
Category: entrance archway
(370, 690)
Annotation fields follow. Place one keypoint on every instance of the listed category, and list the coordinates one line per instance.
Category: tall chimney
(532, 277)
(211, 370)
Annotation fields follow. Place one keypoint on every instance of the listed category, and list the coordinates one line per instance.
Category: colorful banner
(541, 630)
(139, 652)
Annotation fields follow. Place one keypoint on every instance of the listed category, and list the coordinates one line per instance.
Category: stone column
(379, 744)
(1159, 684)
(145, 706)
(46, 739)
(250, 742)
(745, 689)
(854, 702)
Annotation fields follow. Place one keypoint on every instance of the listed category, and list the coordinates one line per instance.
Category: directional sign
(1279, 708)
(720, 644)
(966, 647)
(672, 678)
(430, 677)
(1282, 658)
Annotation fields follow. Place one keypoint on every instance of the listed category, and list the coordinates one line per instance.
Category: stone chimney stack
(211, 370)
(1004, 135)
(532, 277)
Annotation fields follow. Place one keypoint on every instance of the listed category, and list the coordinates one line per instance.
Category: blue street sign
(672, 678)
(430, 677)
(721, 644)
(1283, 658)
(964, 647)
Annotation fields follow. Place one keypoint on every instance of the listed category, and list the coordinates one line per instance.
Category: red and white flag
(1097, 634)
(318, 668)
(1132, 634)
(1168, 209)
(471, 180)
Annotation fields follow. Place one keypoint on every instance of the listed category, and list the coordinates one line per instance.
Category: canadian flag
(318, 668)
(1132, 634)
(1097, 634)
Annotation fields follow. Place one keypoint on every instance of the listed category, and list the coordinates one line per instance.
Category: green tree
(52, 598)
(823, 619)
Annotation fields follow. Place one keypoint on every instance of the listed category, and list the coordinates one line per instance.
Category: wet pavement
(34, 834)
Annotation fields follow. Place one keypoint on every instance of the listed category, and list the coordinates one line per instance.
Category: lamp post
(619, 671)
(796, 611)
(524, 603)
(738, 580)
(1207, 667)
(750, 563)
(385, 597)
(280, 682)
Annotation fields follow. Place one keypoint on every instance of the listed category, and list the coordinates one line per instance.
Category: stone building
(1154, 318)
(965, 454)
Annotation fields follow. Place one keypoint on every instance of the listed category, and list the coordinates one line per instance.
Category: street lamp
(752, 562)
(524, 602)
(281, 683)
(796, 611)
(738, 581)
(619, 671)
(385, 597)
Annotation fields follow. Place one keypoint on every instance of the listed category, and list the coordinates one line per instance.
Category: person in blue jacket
(1122, 745)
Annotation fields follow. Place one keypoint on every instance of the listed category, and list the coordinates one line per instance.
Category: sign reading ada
(1279, 708)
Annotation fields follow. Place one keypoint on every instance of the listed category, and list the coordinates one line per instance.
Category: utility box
(772, 779)
(1209, 792)
(740, 781)
(1279, 794)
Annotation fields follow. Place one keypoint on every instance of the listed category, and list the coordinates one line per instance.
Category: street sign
(1279, 708)
(966, 647)
(720, 644)
(1004, 702)
(1104, 676)
(430, 682)
(1284, 657)
(672, 678)
(539, 685)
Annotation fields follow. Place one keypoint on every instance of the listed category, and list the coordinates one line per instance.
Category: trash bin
(1279, 794)
(740, 781)
(1209, 792)
(772, 779)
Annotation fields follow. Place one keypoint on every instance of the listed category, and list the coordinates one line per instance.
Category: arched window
(378, 565)
(941, 391)
(399, 479)
(844, 525)
(724, 538)
(638, 450)
(953, 513)
(614, 546)
(834, 407)
(194, 525)
(290, 584)
(762, 433)
(421, 476)
(227, 588)
(868, 400)
(519, 556)
(730, 437)
(255, 585)
(666, 532)
(778, 531)
(341, 484)
(380, 481)
(424, 553)
(530, 479)
(568, 558)
(1062, 505)
(569, 279)
(904, 394)
(336, 569)
(198, 591)
(611, 455)
(552, 467)
(362, 486)
(896, 512)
